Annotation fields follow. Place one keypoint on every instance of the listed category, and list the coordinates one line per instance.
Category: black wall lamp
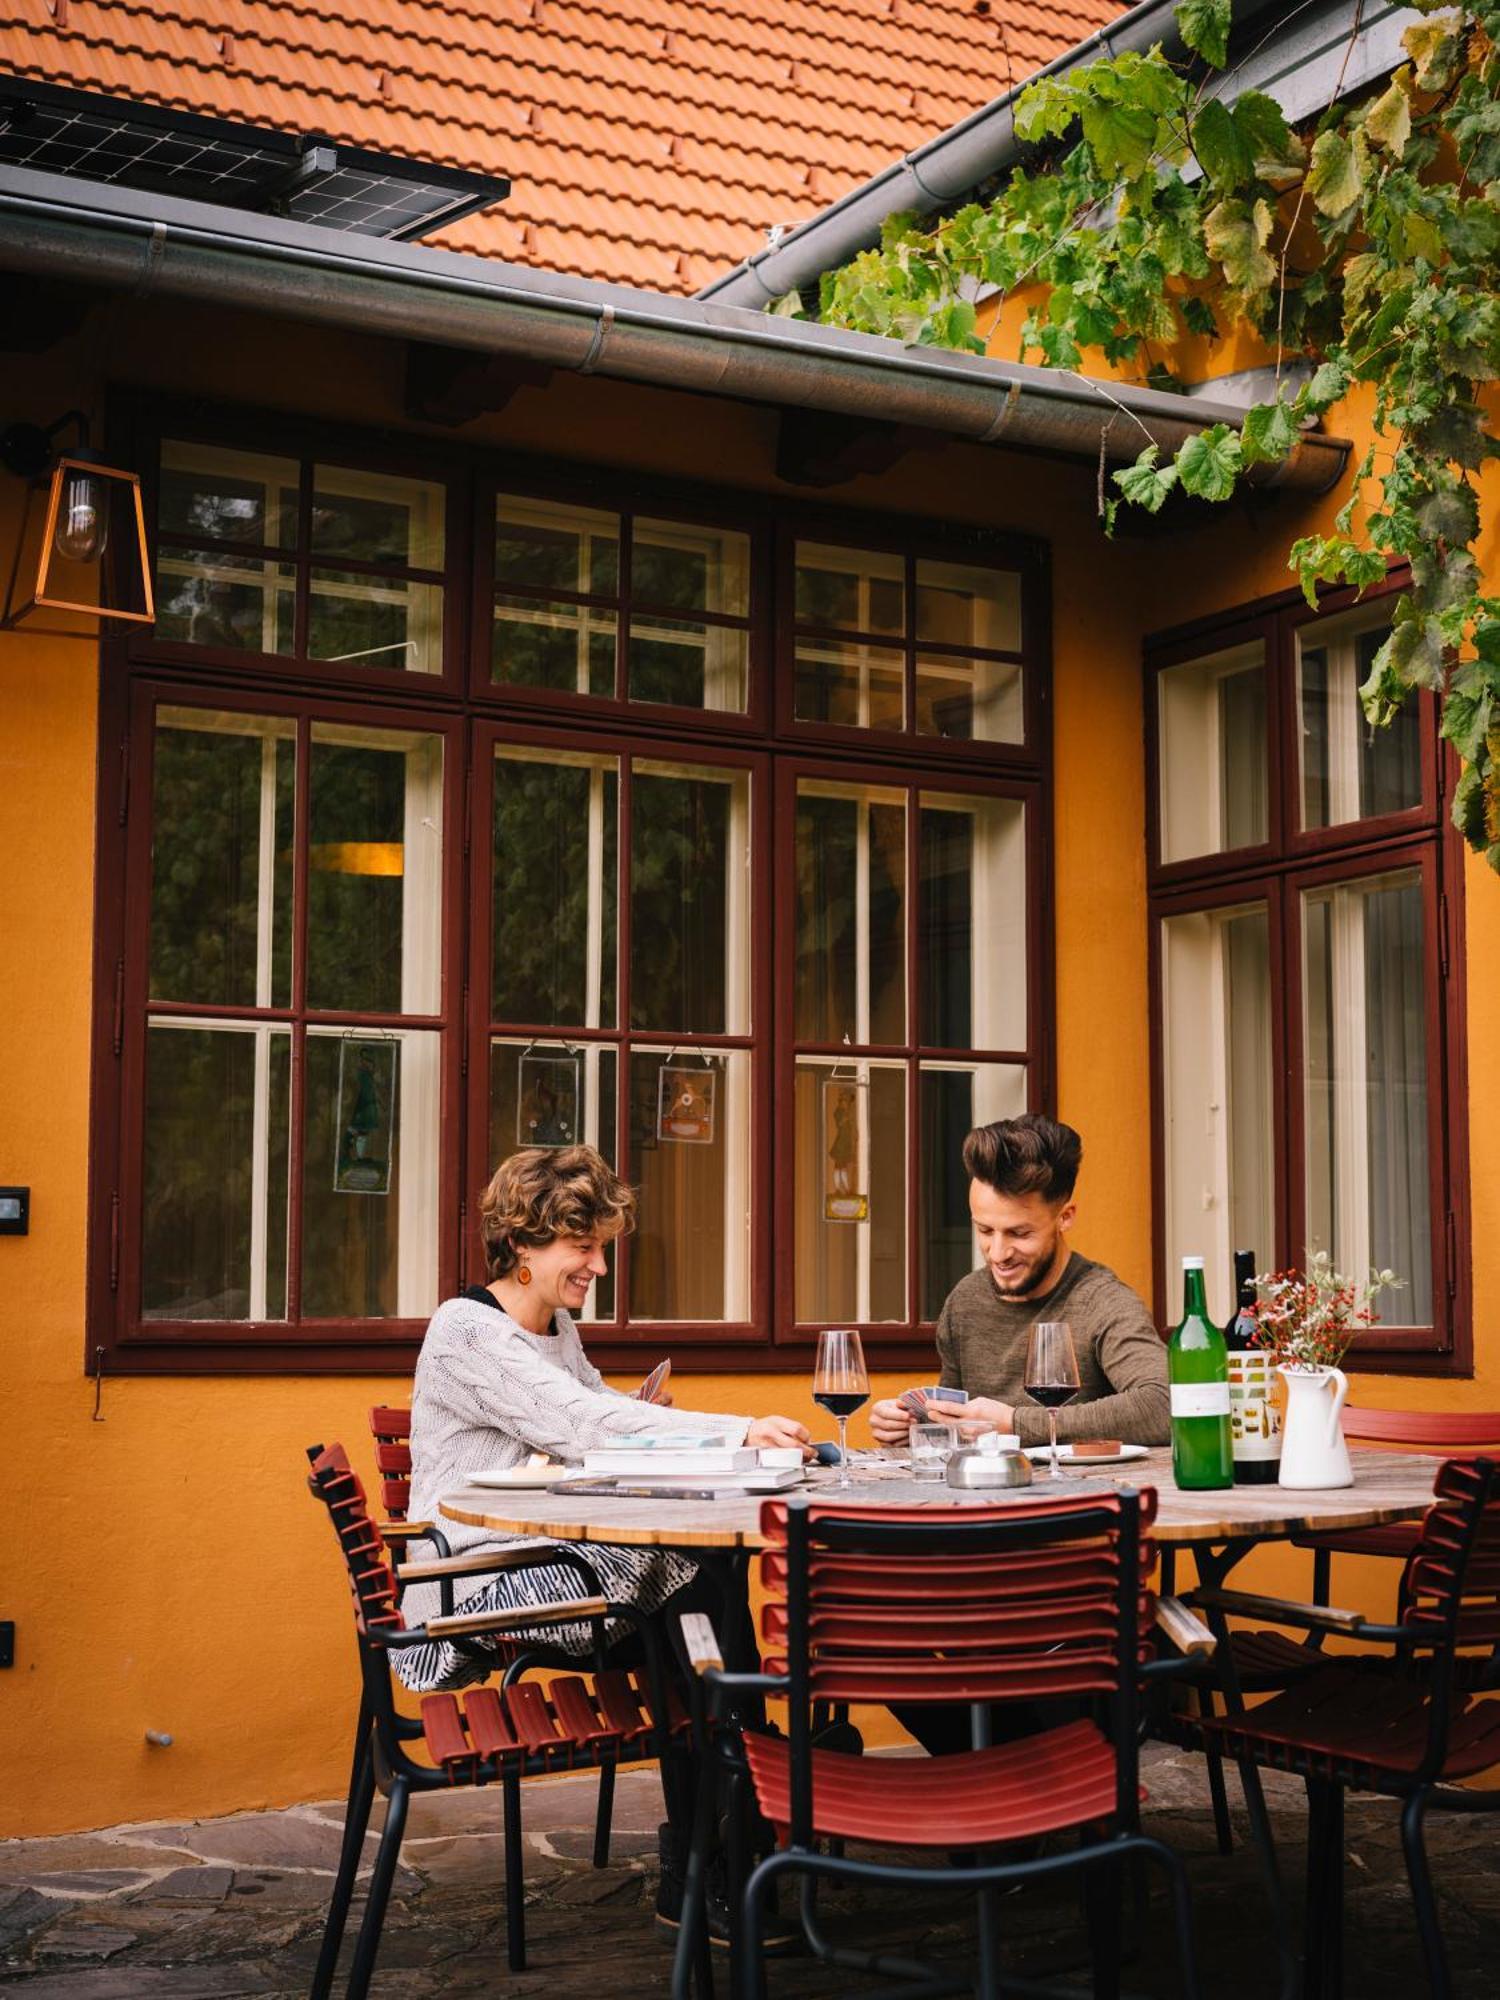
(90, 510)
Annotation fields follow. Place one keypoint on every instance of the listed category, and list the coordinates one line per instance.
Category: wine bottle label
(1254, 1419)
(1200, 1399)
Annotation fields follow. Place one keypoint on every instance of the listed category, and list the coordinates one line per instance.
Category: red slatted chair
(390, 1426)
(1412, 1726)
(1451, 1434)
(1021, 1601)
(488, 1735)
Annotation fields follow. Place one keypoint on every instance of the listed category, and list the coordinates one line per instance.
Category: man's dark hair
(1026, 1155)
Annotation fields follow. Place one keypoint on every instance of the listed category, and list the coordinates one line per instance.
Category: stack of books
(683, 1462)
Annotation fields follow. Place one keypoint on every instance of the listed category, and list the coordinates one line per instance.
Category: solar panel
(160, 151)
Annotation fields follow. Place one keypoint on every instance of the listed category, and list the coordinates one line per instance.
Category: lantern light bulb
(82, 519)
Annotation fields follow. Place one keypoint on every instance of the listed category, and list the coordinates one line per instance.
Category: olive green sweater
(1122, 1359)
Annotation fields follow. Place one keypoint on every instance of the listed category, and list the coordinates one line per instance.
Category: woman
(502, 1373)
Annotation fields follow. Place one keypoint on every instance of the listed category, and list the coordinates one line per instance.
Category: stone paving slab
(235, 1906)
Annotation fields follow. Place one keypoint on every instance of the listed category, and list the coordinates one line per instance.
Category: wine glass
(1051, 1372)
(841, 1384)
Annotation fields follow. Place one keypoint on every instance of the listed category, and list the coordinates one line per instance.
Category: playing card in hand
(654, 1383)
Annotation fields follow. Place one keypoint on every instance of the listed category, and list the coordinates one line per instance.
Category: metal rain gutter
(149, 245)
(1307, 51)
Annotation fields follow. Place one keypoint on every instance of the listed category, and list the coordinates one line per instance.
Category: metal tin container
(971, 1468)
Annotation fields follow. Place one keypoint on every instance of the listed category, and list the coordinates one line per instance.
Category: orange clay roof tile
(648, 142)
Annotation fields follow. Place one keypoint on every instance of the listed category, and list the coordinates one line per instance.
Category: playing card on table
(651, 1388)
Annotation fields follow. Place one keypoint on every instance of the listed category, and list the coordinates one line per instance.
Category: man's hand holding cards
(915, 1401)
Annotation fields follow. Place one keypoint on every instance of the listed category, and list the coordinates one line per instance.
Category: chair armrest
(1187, 1633)
(1284, 1611)
(701, 1643)
(469, 1624)
(478, 1562)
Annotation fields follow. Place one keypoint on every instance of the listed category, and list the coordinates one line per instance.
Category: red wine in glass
(1051, 1373)
(841, 1383)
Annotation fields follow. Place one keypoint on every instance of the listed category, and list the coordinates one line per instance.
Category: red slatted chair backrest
(1453, 1432)
(391, 1429)
(901, 1606)
(1451, 1584)
(334, 1481)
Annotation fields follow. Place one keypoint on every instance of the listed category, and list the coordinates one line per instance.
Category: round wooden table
(1388, 1486)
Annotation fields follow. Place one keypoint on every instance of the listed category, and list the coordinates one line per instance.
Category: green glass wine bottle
(1198, 1371)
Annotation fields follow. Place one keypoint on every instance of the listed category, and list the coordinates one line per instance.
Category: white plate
(1040, 1453)
(522, 1475)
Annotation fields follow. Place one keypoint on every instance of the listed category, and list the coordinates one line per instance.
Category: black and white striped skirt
(645, 1578)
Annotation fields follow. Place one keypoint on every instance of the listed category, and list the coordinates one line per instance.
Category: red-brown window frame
(1277, 872)
(471, 711)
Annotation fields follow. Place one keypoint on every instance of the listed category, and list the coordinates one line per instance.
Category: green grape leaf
(1145, 483)
(1435, 47)
(1224, 153)
(1121, 137)
(1235, 234)
(1209, 463)
(1204, 25)
(1388, 120)
(1333, 177)
(1268, 433)
(1198, 316)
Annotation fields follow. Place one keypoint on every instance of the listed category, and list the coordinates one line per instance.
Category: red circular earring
(523, 1274)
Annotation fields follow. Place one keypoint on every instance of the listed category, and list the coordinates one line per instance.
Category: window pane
(230, 496)
(1212, 739)
(970, 701)
(963, 604)
(554, 1094)
(695, 666)
(555, 834)
(370, 1175)
(570, 647)
(548, 547)
(375, 871)
(1365, 1039)
(369, 622)
(236, 603)
(955, 1097)
(1217, 1092)
(855, 590)
(690, 1162)
(223, 797)
(850, 978)
(690, 899)
(214, 1181)
(375, 517)
(690, 569)
(1349, 770)
(861, 687)
(850, 1191)
(971, 922)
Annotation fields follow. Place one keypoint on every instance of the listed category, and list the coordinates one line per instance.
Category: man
(1022, 1172)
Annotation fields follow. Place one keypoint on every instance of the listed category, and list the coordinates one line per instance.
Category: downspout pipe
(139, 245)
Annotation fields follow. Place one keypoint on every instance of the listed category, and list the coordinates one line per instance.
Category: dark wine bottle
(1254, 1419)
(1198, 1371)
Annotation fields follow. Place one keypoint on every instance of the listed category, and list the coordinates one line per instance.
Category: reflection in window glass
(962, 604)
(1212, 743)
(853, 590)
(227, 496)
(971, 922)
(237, 604)
(689, 1256)
(570, 647)
(953, 1098)
(375, 855)
(214, 1172)
(1217, 1095)
(850, 972)
(850, 1129)
(368, 621)
(555, 833)
(679, 568)
(1365, 1061)
(375, 517)
(693, 666)
(223, 792)
(370, 1175)
(846, 682)
(689, 898)
(549, 547)
(969, 701)
(1349, 770)
(556, 1094)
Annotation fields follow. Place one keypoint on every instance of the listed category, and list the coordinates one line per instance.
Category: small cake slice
(1096, 1448)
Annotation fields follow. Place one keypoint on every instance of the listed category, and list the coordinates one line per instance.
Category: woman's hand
(974, 1418)
(779, 1434)
(889, 1422)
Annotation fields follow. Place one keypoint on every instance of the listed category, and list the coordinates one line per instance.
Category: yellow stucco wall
(165, 1567)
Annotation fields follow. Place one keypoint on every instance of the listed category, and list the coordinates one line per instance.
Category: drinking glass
(931, 1447)
(1051, 1372)
(841, 1384)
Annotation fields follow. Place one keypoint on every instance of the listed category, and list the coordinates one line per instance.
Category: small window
(1348, 770)
(1211, 743)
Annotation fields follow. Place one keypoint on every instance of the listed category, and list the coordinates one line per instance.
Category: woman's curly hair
(543, 1192)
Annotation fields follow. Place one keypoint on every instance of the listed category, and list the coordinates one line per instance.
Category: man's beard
(1025, 1282)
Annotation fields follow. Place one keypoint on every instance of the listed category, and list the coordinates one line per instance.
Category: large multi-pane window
(1303, 937)
(458, 813)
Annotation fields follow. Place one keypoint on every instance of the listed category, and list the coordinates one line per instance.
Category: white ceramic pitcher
(1313, 1451)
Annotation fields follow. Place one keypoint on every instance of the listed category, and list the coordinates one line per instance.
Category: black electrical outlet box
(7, 1642)
(15, 1210)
